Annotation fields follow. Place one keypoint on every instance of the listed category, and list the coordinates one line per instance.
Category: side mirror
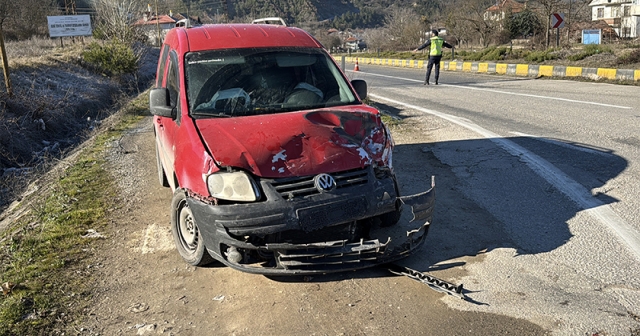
(159, 103)
(361, 88)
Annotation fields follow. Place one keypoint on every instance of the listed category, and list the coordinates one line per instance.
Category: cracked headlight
(232, 186)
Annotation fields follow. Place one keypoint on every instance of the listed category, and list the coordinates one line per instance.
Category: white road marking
(574, 190)
(560, 143)
(509, 93)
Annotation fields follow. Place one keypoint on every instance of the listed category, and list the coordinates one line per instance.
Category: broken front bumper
(377, 245)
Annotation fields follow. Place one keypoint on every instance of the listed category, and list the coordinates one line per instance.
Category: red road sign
(557, 20)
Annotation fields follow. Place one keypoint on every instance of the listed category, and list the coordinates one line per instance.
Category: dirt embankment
(57, 101)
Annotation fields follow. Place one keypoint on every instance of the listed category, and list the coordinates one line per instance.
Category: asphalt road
(536, 214)
(556, 164)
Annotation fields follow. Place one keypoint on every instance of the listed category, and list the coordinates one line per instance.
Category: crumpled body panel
(300, 143)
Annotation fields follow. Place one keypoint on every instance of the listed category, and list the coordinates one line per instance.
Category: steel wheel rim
(187, 228)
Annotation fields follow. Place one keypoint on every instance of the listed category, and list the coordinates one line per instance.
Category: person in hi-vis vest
(435, 54)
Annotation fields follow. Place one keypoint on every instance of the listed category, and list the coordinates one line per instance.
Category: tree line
(384, 24)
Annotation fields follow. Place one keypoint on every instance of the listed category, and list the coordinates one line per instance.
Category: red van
(276, 165)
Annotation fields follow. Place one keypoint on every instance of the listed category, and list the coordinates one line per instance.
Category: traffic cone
(356, 68)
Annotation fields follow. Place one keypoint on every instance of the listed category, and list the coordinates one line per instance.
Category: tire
(186, 234)
(162, 177)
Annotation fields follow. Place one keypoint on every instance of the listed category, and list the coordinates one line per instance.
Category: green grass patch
(487, 54)
(386, 117)
(44, 255)
(540, 56)
(590, 50)
(389, 120)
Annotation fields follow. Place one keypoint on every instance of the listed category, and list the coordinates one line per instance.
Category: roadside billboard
(69, 25)
(591, 36)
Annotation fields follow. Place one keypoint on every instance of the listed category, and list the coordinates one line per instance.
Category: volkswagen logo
(324, 182)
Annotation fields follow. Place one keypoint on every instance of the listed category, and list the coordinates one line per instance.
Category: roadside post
(5, 65)
(557, 22)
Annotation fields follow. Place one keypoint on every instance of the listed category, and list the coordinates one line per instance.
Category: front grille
(292, 187)
(322, 215)
(331, 255)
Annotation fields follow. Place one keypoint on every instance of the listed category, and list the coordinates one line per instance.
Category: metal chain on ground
(429, 280)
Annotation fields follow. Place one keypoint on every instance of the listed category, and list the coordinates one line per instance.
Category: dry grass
(34, 47)
(42, 252)
(56, 104)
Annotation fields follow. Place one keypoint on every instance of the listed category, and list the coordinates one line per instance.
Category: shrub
(114, 57)
(495, 54)
(540, 56)
(488, 54)
(629, 58)
(590, 50)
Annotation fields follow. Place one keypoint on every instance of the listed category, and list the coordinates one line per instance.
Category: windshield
(238, 82)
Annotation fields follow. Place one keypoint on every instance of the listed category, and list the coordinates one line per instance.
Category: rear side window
(161, 66)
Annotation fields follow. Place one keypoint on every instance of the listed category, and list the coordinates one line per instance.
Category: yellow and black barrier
(529, 70)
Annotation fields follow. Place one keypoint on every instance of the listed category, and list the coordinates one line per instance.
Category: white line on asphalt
(509, 93)
(574, 190)
(561, 143)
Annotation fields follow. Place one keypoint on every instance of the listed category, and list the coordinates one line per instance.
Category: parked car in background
(270, 20)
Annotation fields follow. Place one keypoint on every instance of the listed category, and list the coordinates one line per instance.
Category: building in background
(156, 27)
(621, 15)
(501, 9)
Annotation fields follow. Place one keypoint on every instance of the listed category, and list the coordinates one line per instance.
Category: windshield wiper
(267, 109)
(211, 114)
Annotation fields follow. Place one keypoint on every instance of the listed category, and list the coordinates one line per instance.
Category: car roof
(223, 36)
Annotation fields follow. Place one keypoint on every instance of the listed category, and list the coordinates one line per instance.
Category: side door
(166, 127)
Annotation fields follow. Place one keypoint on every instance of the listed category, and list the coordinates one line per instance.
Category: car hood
(298, 143)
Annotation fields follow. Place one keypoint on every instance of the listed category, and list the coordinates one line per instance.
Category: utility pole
(569, 24)
(5, 65)
(158, 25)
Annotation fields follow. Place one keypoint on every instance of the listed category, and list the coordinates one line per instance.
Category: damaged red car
(276, 165)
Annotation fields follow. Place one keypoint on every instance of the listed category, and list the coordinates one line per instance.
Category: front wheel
(186, 234)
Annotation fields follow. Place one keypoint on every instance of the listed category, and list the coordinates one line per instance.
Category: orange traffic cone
(356, 68)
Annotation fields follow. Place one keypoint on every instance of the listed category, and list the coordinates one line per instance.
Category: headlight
(234, 186)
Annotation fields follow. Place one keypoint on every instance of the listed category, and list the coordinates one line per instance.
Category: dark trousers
(433, 60)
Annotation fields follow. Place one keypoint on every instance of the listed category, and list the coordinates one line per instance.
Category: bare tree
(115, 17)
(466, 19)
(6, 9)
(329, 41)
(577, 11)
(405, 27)
(26, 18)
(377, 39)
(545, 8)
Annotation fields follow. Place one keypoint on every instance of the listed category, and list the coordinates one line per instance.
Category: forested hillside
(340, 13)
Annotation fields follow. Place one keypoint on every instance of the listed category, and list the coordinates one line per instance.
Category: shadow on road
(488, 199)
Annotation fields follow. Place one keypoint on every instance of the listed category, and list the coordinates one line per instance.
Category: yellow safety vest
(436, 46)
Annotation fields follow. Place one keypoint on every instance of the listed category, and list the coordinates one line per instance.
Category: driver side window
(173, 83)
